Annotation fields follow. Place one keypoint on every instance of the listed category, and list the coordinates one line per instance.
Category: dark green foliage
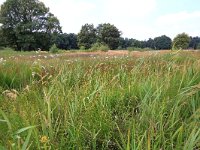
(124, 43)
(87, 36)
(181, 41)
(150, 43)
(66, 41)
(2, 39)
(198, 46)
(162, 42)
(109, 35)
(26, 22)
(194, 42)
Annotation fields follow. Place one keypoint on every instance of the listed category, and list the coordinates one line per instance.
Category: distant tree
(124, 43)
(136, 43)
(24, 21)
(66, 41)
(150, 43)
(87, 36)
(194, 41)
(181, 41)
(108, 34)
(162, 42)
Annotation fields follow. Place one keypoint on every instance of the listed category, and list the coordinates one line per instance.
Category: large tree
(181, 41)
(162, 42)
(108, 34)
(87, 36)
(25, 23)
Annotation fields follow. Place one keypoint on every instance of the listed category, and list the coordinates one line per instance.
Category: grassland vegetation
(100, 103)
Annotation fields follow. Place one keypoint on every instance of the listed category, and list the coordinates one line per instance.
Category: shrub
(104, 48)
(130, 48)
(99, 46)
(82, 48)
(54, 49)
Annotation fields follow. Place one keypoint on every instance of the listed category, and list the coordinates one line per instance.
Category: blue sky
(139, 19)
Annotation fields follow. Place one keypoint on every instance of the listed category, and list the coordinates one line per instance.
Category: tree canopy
(25, 23)
(162, 42)
(87, 36)
(66, 41)
(181, 41)
(108, 34)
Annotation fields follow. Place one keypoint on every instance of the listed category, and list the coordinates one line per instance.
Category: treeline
(29, 25)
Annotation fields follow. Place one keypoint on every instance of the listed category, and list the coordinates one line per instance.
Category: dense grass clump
(116, 103)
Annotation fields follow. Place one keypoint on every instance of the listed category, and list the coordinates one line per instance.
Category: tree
(124, 43)
(108, 34)
(87, 36)
(25, 23)
(136, 43)
(66, 41)
(181, 41)
(162, 42)
(194, 42)
(150, 43)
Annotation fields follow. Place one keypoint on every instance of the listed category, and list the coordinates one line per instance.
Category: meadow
(94, 101)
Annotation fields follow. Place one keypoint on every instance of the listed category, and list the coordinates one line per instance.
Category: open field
(100, 100)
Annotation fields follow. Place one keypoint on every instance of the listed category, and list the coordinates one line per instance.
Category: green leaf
(24, 129)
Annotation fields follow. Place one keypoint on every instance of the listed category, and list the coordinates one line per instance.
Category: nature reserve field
(100, 100)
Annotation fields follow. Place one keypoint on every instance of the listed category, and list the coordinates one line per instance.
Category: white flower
(33, 74)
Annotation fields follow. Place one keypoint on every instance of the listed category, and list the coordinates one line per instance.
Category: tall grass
(123, 103)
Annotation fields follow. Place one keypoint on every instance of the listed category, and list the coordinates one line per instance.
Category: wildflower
(44, 139)
(33, 74)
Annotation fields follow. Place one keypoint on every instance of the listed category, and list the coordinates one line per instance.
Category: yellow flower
(44, 139)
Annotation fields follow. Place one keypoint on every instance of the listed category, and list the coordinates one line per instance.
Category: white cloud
(122, 13)
(71, 13)
(179, 17)
(129, 8)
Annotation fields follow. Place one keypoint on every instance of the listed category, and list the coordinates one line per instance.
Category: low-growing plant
(99, 46)
(53, 49)
(98, 103)
(82, 48)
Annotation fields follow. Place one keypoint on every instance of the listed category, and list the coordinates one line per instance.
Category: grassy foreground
(118, 103)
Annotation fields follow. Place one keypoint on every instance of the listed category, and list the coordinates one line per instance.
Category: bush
(54, 49)
(130, 48)
(99, 46)
(82, 48)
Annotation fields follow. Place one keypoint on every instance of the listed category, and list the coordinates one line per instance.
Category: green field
(125, 102)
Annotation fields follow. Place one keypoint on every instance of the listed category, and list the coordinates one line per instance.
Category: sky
(138, 19)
